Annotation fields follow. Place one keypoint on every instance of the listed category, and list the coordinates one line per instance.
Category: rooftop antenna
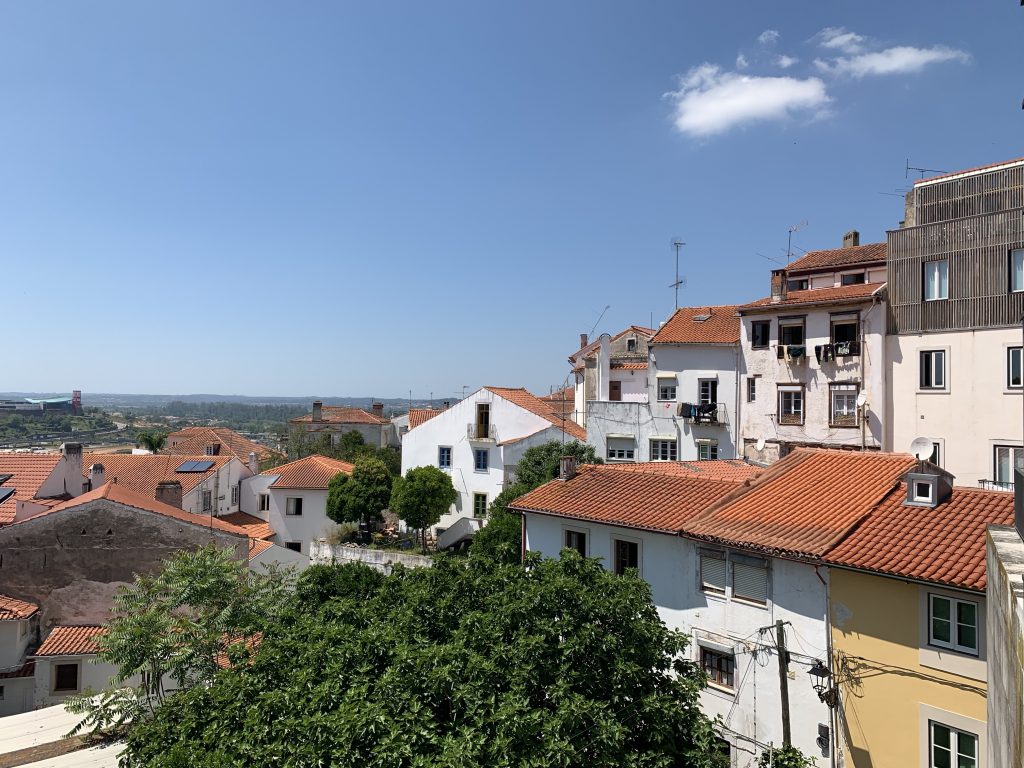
(678, 244)
(789, 242)
(770, 258)
(607, 307)
(922, 171)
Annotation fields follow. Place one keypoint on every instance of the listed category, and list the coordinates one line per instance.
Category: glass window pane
(967, 636)
(941, 758)
(967, 613)
(941, 608)
(941, 736)
(967, 745)
(941, 631)
(1017, 270)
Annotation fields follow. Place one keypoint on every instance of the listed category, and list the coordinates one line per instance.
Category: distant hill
(109, 400)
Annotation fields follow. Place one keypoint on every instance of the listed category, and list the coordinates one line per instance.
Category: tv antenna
(607, 307)
(922, 171)
(789, 242)
(678, 244)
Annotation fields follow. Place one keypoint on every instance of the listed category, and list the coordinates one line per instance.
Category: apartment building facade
(610, 368)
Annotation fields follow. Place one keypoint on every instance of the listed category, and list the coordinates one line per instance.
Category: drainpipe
(737, 448)
(833, 741)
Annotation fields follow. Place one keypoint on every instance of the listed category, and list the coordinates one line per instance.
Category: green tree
(421, 497)
(153, 442)
(502, 537)
(468, 663)
(360, 496)
(539, 464)
(785, 757)
(351, 446)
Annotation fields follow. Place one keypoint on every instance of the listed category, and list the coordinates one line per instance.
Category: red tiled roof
(594, 344)
(843, 294)
(254, 527)
(28, 669)
(721, 327)
(839, 257)
(977, 169)
(193, 441)
(143, 472)
(337, 414)
(804, 504)
(251, 643)
(641, 329)
(12, 609)
(628, 366)
(312, 473)
(944, 544)
(258, 547)
(419, 415)
(71, 641)
(729, 470)
(29, 471)
(562, 402)
(121, 495)
(649, 500)
(519, 396)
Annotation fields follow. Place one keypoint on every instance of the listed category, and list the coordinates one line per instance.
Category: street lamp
(821, 682)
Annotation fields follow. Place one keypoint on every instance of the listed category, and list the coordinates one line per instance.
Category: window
(234, 495)
(923, 491)
(1013, 368)
(264, 503)
(707, 450)
(718, 666)
(799, 284)
(627, 555)
(666, 389)
(631, 345)
(933, 369)
(712, 572)
(1017, 270)
(953, 624)
(1006, 458)
(293, 506)
(791, 404)
(65, 677)
(936, 457)
(844, 330)
(576, 540)
(950, 748)
(760, 333)
(207, 501)
(854, 278)
(663, 450)
(936, 280)
(791, 331)
(479, 505)
(621, 449)
(480, 459)
(750, 579)
(444, 456)
(844, 405)
(751, 389)
(483, 420)
(1, 693)
(294, 546)
(708, 391)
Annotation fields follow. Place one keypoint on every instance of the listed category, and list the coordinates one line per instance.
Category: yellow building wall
(876, 639)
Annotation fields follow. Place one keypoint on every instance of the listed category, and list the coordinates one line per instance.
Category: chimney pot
(780, 285)
(74, 481)
(378, 410)
(318, 410)
(583, 340)
(169, 492)
(97, 476)
(567, 468)
(851, 239)
(254, 464)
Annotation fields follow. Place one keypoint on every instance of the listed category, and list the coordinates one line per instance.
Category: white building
(608, 368)
(19, 628)
(682, 403)
(334, 420)
(33, 482)
(814, 369)
(480, 439)
(66, 665)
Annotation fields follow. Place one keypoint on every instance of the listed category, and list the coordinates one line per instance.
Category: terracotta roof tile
(730, 470)
(312, 473)
(590, 346)
(258, 547)
(628, 366)
(254, 527)
(418, 416)
(843, 294)
(192, 441)
(804, 504)
(720, 325)
(562, 402)
(944, 544)
(530, 402)
(337, 414)
(28, 669)
(143, 472)
(65, 640)
(28, 472)
(647, 500)
(12, 609)
(839, 257)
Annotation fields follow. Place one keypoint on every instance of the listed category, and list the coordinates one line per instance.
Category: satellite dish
(861, 399)
(760, 443)
(921, 448)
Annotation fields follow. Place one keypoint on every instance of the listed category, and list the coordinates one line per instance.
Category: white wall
(219, 484)
(15, 637)
(312, 524)
(972, 415)
(281, 557)
(796, 595)
(91, 674)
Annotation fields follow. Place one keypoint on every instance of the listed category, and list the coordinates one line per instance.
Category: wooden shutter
(750, 582)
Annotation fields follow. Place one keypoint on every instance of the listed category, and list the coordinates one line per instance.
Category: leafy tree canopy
(361, 496)
(350, 447)
(422, 496)
(501, 539)
(152, 441)
(469, 663)
(539, 464)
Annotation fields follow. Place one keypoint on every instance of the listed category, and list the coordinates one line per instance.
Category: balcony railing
(703, 413)
(797, 353)
(996, 485)
(481, 432)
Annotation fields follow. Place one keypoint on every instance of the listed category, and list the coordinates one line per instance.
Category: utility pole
(780, 646)
(677, 244)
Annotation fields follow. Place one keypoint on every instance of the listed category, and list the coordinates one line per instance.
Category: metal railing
(476, 431)
(703, 413)
(995, 485)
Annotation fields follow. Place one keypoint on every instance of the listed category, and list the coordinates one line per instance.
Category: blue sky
(363, 199)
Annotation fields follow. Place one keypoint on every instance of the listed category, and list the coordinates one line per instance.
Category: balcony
(703, 413)
(481, 432)
(996, 485)
(797, 353)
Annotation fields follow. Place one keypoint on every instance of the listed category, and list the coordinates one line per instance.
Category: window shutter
(750, 582)
(712, 572)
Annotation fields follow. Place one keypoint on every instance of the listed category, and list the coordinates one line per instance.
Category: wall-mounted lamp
(821, 682)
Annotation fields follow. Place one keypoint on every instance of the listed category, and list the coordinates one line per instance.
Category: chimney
(169, 492)
(378, 410)
(254, 464)
(583, 340)
(780, 283)
(318, 410)
(851, 239)
(97, 477)
(567, 468)
(445, 405)
(74, 481)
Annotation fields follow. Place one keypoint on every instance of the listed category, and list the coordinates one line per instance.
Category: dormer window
(924, 491)
(928, 486)
(631, 345)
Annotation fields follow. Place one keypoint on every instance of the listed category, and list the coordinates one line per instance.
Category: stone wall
(1005, 646)
(322, 553)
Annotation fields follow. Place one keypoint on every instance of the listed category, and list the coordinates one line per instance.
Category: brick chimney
(378, 410)
(254, 464)
(583, 340)
(97, 476)
(318, 410)
(567, 468)
(71, 457)
(169, 492)
(851, 239)
(780, 282)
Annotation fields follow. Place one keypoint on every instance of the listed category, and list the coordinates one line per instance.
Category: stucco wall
(91, 675)
(15, 637)
(1005, 567)
(381, 560)
(891, 683)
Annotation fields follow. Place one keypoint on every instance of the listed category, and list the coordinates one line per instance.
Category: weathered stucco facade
(1005, 567)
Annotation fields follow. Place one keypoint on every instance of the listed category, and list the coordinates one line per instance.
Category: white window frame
(848, 393)
(953, 643)
(751, 389)
(670, 448)
(263, 504)
(927, 362)
(1016, 255)
(477, 452)
(1011, 353)
(937, 450)
(707, 450)
(705, 397)
(440, 464)
(955, 756)
(928, 494)
(791, 389)
(793, 322)
(936, 280)
(667, 390)
(235, 491)
(293, 506)
(1013, 452)
(623, 453)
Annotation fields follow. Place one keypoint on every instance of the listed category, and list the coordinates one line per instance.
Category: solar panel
(5, 494)
(194, 466)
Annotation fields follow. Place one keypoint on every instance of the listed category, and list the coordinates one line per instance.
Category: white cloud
(785, 61)
(710, 101)
(768, 37)
(902, 59)
(840, 39)
(741, 61)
